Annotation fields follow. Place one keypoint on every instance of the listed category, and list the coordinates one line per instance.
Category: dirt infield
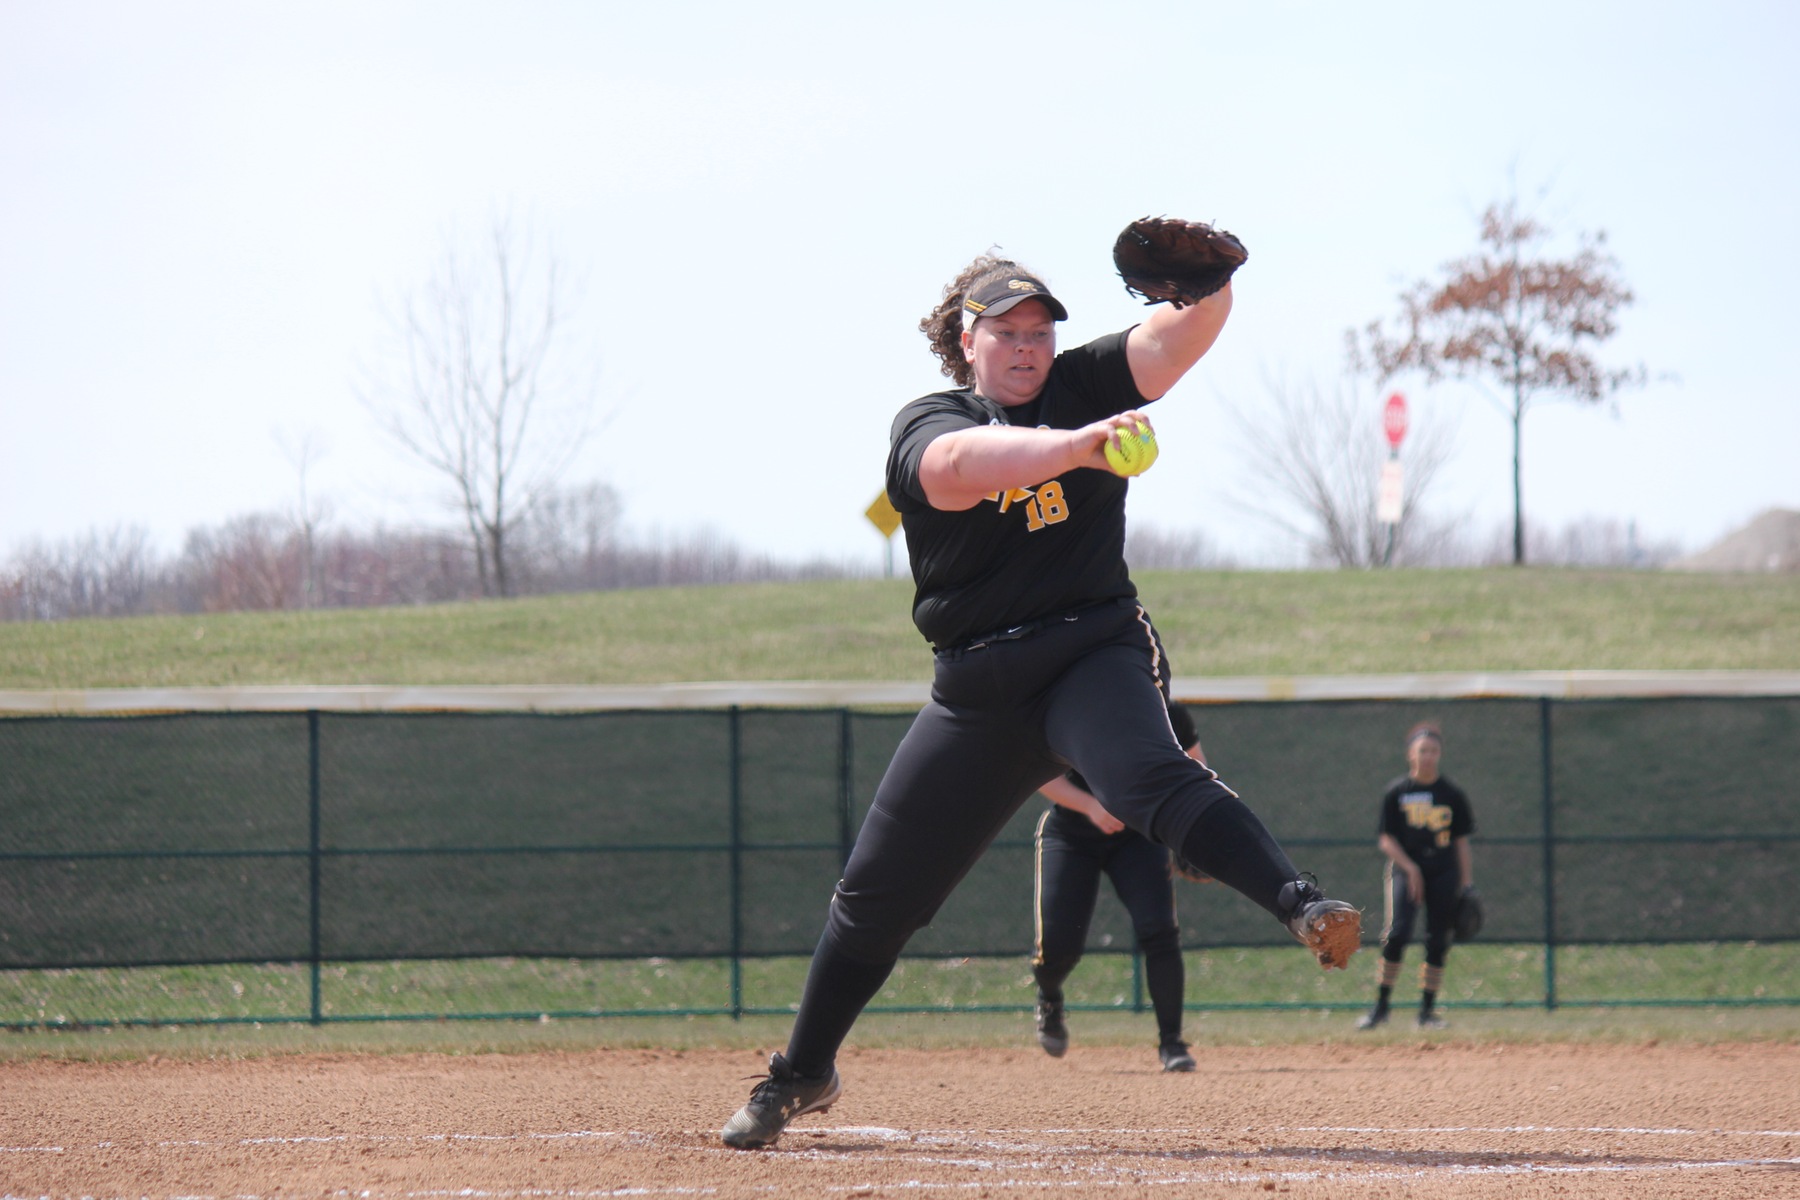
(1424, 1119)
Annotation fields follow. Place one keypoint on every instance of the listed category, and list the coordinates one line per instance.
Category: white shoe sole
(744, 1139)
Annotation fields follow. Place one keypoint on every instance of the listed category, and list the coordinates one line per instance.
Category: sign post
(1390, 501)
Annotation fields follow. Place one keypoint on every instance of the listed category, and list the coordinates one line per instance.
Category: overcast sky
(205, 206)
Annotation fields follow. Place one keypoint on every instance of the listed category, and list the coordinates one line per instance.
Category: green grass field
(1486, 976)
(1213, 623)
(1494, 992)
(1233, 623)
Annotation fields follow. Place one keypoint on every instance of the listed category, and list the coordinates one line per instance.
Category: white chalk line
(956, 1136)
(1122, 1175)
(1138, 1180)
(1163, 1176)
(1594, 1129)
(984, 1150)
(1215, 1130)
(340, 1139)
(472, 1193)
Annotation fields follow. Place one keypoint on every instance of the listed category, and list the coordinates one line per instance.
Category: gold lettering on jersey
(1016, 496)
(1045, 506)
(1422, 814)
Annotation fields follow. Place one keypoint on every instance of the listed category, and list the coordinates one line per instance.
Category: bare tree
(1152, 548)
(478, 394)
(251, 563)
(1314, 460)
(302, 452)
(571, 539)
(103, 573)
(1590, 542)
(1510, 316)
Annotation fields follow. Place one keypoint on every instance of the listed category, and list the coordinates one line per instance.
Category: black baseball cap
(999, 293)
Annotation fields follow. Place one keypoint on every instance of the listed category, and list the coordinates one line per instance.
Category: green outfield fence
(319, 835)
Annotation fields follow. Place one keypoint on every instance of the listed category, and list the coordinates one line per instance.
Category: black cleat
(1175, 1056)
(776, 1101)
(1052, 1034)
(1372, 1018)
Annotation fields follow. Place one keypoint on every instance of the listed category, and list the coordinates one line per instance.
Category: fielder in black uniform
(1015, 526)
(1077, 841)
(1425, 826)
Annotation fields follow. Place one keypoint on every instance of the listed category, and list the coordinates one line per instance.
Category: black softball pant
(1004, 718)
(1441, 891)
(1072, 855)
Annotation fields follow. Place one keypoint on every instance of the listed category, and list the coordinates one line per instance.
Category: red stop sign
(1393, 419)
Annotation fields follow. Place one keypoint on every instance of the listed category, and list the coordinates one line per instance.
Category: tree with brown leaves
(1506, 315)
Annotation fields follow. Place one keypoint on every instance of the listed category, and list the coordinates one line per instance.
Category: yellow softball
(1131, 453)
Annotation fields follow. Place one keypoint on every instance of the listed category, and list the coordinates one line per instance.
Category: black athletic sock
(1230, 843)
(1382, 997)
(837, 989)
(1427, 1001)
(1165, 975)
(1049, 982)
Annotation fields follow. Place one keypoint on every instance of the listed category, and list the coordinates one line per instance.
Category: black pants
(1071, 857)
(1004, 719)
(1441, 891)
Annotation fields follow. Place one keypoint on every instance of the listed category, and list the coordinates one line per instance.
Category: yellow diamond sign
(882, 515)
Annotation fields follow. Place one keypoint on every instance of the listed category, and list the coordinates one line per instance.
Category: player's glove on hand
(1468, 914)
(1161, 258)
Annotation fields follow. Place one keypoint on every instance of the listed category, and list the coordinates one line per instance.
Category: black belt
(1025, 630)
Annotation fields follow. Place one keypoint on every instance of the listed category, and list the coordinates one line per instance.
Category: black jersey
(1425, 818)
(1030, 552)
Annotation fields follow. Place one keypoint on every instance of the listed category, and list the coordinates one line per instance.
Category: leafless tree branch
(480, 393)
(1313, 459)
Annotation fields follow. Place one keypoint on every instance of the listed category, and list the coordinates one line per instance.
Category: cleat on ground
(1175, 1057)
(775, 1101)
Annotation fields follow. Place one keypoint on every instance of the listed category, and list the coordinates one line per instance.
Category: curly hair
(943, 325)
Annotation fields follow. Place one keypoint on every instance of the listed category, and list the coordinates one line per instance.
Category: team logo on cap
(1030, 287)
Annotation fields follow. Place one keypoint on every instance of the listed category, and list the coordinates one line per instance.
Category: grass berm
(1212, 622)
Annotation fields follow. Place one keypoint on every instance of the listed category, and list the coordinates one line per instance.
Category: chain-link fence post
(1549, 836)
(314, 854)
(736, 770)
(846, 784)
